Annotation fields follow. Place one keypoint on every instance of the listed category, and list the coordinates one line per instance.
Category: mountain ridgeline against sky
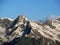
(21, 31)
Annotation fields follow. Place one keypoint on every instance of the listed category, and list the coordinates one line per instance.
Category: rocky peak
(21, 20)
(48, 32)
(17, 28)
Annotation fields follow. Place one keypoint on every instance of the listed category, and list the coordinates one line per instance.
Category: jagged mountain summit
(42, 34)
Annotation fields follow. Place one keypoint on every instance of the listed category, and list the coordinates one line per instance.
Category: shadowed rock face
(22, 31)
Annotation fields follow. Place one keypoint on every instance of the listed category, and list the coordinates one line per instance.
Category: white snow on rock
(11, 19)
(37, 30)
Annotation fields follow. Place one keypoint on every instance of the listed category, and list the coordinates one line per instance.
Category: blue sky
(32, 9)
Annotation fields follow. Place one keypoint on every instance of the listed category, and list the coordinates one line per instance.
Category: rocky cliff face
(37, 33)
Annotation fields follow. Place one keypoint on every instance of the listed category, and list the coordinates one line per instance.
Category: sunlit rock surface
(47, 33)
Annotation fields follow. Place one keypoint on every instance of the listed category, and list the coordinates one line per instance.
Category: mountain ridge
(48, 32)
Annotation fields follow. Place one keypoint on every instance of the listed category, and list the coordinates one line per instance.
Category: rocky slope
(24, 30)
